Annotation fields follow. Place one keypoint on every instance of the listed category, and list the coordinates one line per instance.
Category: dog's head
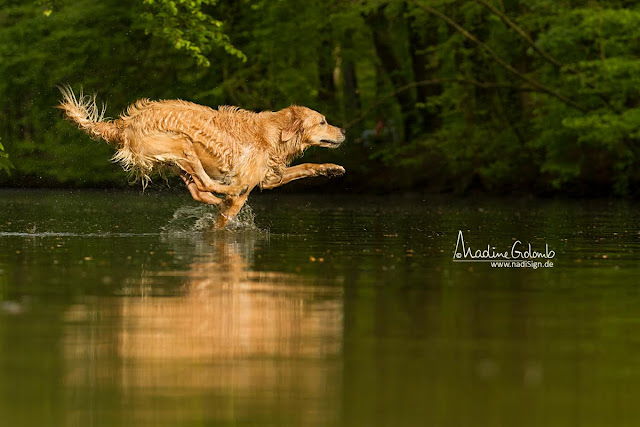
(304, 127)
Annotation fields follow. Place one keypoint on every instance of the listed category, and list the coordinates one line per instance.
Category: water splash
(245, 220)
(202, 218)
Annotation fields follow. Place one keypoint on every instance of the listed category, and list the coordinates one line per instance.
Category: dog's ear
(292, 125)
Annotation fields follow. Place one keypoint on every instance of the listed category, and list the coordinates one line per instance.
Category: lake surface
(124, 309)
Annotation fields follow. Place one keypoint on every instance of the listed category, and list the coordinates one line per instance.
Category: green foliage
(5, 163)
(601, 46)
(185, 25)
(513, 134)
(451, 95)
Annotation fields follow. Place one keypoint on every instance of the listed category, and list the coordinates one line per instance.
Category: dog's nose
(343, 130)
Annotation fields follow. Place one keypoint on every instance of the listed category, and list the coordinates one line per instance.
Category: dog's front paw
(332, 170)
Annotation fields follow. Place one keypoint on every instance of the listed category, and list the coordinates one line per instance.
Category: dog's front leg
(304, 170)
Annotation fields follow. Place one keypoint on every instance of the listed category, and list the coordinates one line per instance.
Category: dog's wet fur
(220, 154)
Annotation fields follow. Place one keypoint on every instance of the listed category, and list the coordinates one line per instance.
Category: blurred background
(499, 96)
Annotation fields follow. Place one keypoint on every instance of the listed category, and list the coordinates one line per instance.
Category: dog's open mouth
(330, 142)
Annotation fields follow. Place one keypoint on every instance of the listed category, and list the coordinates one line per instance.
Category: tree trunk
(394, 69)
(420, 38)
(326, 65)
(351, 95)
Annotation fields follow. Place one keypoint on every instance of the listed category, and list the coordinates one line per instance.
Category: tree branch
(525, 36)
(547, 57)
(484, 85)
(539, 86)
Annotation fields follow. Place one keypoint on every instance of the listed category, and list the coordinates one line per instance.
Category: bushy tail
(85, 113)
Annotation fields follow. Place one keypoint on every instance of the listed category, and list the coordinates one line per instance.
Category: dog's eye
(323, 122)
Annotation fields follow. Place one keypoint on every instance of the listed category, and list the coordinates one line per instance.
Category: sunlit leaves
(5, 163)
(185, 25)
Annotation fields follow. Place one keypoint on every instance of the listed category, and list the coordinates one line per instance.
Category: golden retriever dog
(220, 154)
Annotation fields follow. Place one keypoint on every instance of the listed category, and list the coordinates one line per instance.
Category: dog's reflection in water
(266, 341)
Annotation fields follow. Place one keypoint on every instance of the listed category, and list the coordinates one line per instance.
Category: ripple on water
(45, 234)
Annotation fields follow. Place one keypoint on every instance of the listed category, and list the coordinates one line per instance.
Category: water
(124, 309)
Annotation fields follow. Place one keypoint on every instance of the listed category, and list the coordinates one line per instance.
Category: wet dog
(220, 154)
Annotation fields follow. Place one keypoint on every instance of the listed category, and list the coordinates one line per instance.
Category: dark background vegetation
(502, 96)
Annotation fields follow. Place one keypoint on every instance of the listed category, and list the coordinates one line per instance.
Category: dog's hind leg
(200, 196)
(191, 165)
